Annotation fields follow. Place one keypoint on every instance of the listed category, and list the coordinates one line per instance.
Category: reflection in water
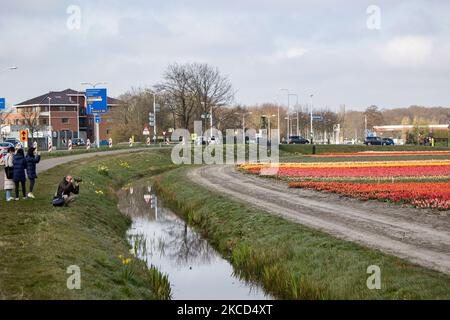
(162, 239)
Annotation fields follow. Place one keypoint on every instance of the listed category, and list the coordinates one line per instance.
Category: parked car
(297, 140)
(78, 142)
(373, 141)
(13, 141)
(388, 142)
(5, 146)
(104, 143)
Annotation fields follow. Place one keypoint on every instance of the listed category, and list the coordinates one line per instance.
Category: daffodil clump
(127, 267)
(124, 164)
(103, 170)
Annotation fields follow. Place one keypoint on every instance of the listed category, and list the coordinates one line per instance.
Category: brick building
(63, 112)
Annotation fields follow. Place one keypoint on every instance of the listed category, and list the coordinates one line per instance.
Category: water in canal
(195, 269)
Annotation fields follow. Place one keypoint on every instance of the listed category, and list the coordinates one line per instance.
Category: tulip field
(415, 183)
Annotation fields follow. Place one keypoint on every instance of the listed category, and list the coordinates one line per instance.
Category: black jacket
(20, 165)
(31, 166)
(66, 188)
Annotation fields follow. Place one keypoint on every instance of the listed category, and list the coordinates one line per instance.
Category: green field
(38, 242)
(292, 261)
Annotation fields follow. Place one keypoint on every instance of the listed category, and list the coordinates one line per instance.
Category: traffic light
(151, 119)
(23, 135)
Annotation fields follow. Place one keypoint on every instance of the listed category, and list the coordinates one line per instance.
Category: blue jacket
(20, 164)
(31, 166)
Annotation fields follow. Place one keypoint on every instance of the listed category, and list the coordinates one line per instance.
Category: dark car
(297, 140)
(13, 141)
(373, 141)
(388, 142)
(78, 142)
(6, 145)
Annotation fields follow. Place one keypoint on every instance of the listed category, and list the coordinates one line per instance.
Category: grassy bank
(290, 260)
(38, 242)
(308, 149)
(64, 153)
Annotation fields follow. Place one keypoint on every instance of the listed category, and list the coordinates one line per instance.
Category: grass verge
(38, 242)
(290, 260)
(76, 151)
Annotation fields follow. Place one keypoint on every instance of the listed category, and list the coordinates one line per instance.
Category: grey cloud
(309, 46)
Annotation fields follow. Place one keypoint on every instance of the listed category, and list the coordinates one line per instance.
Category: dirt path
(53, 162)
(416, 235)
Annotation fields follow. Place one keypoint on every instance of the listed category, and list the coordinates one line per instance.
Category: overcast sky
(310, 46)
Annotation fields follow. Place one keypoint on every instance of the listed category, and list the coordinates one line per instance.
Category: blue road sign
(318, 118)
(2, 104)
(98, 118)
(97, 101)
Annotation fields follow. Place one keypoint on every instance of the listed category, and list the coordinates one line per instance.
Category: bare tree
(177, 93)
(31, 121)
(374, 117)
(210, 88)
(192, 89)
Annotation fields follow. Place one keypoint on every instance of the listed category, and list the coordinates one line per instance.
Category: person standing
(9, 174)
(32, 159)
(20, 165)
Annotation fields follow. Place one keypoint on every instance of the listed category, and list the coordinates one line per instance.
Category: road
(416, 235)
(53, 162)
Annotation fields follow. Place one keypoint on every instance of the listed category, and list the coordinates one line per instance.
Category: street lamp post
(243, 124)
(296, 107)
(154, 112)
(289, 105)
(8, 69)
(96, 125)
(312, 130)
(269, 136)
(50, 119)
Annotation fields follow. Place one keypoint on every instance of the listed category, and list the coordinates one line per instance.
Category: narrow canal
(195, 269)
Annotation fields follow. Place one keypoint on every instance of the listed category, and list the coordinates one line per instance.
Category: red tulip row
(383, 154)
(435, 195)
(376, 171)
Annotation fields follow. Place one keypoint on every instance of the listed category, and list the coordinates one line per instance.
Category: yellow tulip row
(355, 164)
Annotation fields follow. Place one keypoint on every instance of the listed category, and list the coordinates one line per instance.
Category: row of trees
(192, 92)
(187, 93)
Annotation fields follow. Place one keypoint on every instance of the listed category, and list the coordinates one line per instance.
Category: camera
(78, 180)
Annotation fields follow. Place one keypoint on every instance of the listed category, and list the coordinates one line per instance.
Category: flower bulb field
(423, 183)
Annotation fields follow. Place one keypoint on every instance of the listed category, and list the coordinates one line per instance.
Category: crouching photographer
(67, 192)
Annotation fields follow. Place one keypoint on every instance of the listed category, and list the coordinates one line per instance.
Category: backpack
(58, 201)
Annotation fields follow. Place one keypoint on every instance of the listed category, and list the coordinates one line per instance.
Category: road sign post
(23, 135)
(97, 104)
